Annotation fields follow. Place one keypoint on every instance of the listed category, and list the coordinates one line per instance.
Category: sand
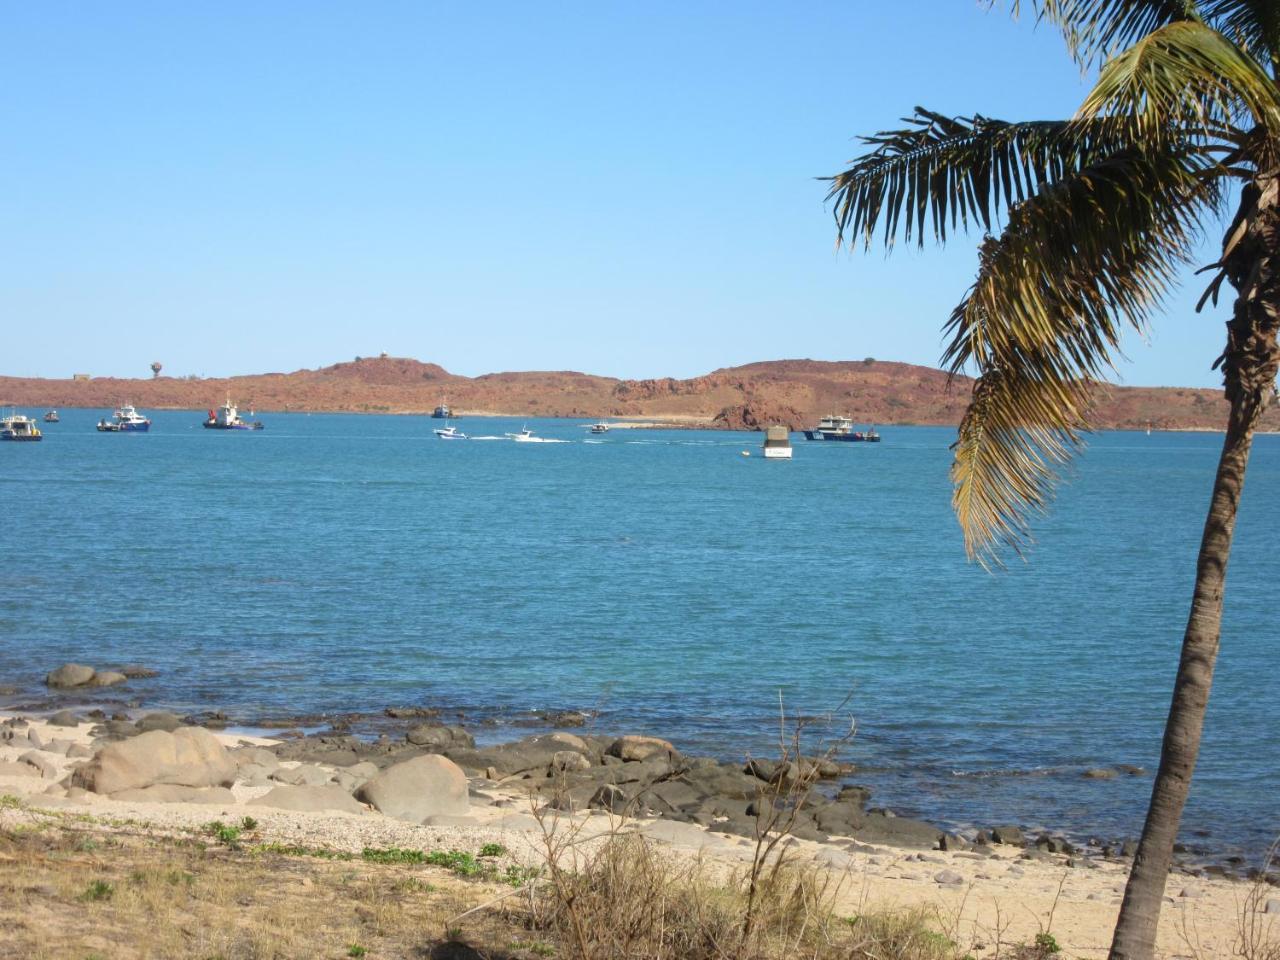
(1000, 899)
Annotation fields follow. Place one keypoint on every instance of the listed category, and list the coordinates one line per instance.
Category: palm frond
(1014, 435)
(1095, 29)
(1077, 263)
(953, 172)
(1183, 75)
(1253, 25)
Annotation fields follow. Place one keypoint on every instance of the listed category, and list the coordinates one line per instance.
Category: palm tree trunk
(1252, 263)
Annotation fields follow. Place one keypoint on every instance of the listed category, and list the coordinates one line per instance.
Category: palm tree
(1087, 222)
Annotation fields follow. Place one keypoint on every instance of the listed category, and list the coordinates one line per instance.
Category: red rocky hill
(795, 392)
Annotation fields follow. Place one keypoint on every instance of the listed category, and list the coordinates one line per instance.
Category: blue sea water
(344, 562)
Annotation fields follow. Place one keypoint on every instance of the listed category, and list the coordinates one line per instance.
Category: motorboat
(124, 419)
(777, 443)
(524, 436)
(51, 417)
(227, 417)
(16, 427)
(600, 427)
(841, 429)
(450, 433)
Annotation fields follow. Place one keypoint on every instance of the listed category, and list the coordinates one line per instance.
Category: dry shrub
(630, 901)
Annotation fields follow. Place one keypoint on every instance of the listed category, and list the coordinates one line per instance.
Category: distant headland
(793, 392)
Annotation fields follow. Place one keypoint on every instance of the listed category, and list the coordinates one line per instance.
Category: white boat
(16, 427)
(449, 432)
(600, 427)
(125, 419)
(227, 417)
(524, 436)
(777, 443)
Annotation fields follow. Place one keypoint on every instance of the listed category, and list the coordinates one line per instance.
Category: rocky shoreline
(567, 765)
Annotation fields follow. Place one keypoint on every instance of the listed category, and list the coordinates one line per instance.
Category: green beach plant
(1086, 223)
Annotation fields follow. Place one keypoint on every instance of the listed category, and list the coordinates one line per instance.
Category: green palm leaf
(1180, 76)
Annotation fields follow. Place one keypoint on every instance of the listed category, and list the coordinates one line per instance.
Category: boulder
(159, 720)
(172, 793)
(1008, 835)
(136, 671)
(632, 748)
(107, 678)
(948, 878)
(256, 756)
(952, 842)
(419, 788)
(64, 718)
(568, 760)
(69, 675)
(439, 737)
(1099, 773)
(307, 774)
(188, 757)
(309, 799)
(609, 797)
(1272, 907)
(79, 751)
(48, 769)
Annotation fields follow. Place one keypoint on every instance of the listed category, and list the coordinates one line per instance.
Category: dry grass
(630, 900)
(72, 889)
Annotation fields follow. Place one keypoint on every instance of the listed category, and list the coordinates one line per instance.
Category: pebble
(1273, 907)
(948, 878)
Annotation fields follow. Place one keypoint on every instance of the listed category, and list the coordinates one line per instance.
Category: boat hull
(123, 427)
(209, 425)
(777, 453)
(840, 437)
(7, 438)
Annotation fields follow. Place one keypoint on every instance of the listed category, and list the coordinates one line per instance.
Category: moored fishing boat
(441, 412)
(124, 419)
(226, 417)
(51, 417)
(841, 429)
(16, 427)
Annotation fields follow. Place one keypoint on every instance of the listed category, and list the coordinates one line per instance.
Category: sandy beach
(986, 898)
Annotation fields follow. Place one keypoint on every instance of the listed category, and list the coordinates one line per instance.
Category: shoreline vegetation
(796, 393)
(561, 843)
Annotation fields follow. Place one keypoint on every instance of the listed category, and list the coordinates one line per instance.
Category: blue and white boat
(18, 428)
(124, 420)
(449, 432)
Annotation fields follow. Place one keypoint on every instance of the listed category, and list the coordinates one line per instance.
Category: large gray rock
(159, 720)
(107, 678)
(418, 788)
(64, 718)
(48, 769)
(188, 757)
(255, 756)
(633, 748)
(172, 793)
(439, 737)
(304, 775)
(309, 799)
(69, 675)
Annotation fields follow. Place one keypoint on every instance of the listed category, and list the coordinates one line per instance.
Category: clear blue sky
(620, 188)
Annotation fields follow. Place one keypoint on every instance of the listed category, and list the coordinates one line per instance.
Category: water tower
(155, 370)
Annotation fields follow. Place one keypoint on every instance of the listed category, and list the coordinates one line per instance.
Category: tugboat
(19, 428)
(841, 429)
(777, 443)
(51, 417)
(441, 412)
(228, 418)
(125, 419)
